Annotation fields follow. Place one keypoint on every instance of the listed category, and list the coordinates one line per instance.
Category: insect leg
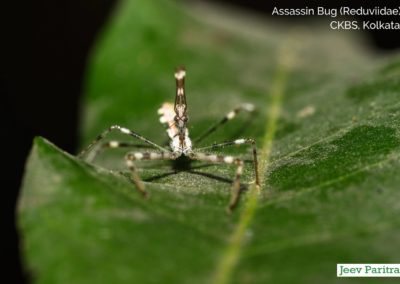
(235, 189)
(112, 145)
(243, 141)
(229, 116)
(122, 130)
(136, 156)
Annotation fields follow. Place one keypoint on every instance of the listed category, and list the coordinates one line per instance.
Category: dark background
(44, 48)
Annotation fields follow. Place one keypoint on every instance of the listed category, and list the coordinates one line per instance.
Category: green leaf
(327, 130)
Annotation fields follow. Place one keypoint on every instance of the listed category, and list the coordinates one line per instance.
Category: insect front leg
(130, 159)
(113, 144)
(122, 130)
(229, 116)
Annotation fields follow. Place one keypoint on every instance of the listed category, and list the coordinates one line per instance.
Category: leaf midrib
(230, 257)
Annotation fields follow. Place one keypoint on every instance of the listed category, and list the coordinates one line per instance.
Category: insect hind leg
(130, 159)
(235, 188)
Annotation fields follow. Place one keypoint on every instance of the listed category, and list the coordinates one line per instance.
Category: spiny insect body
(175, 118)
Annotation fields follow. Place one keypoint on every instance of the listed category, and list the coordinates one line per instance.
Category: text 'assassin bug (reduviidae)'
(175, 117)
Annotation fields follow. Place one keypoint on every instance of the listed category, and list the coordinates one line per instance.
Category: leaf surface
(328, 132)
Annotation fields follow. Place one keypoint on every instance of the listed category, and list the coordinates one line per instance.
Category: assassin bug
(175, 118)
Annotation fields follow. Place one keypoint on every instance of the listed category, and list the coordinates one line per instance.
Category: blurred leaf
(331, 177)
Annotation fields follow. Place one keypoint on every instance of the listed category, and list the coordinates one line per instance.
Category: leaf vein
(232, 253)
